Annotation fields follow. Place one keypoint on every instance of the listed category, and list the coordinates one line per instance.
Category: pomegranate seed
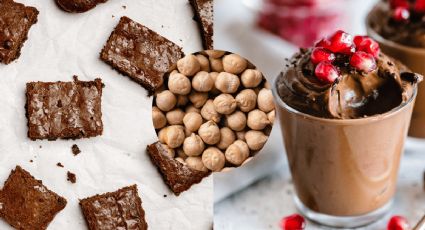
(341, 42)
(321, 54)
(420, 6)
(401, 14)
(326, 72)
(367, 44)
(324, 43)
(397, 223)
(292, 222)
(399, 3)
(363, 61)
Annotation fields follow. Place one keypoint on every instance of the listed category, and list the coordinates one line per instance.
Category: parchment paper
(61, 45)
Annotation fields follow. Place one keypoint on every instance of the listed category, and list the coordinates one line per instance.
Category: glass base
(342, 221)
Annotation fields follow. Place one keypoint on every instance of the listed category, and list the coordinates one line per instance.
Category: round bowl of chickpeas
(214, 112)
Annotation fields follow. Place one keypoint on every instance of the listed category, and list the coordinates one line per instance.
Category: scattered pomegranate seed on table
(363, 61)
(293, 222)
(398, 223)
(326, 72)
(320, 54)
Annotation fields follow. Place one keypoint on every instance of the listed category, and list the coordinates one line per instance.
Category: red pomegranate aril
(419, 6)
(363, 61)
(341, 42)
(324, 43)
(401, 14)
(326, 72)
(292, 222)
(398, 223)
(367, 44)
(320, 54)
(399, 3)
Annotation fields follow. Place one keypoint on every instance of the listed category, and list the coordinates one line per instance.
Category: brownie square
(25, 203)
(78, 6)
(115, 210)
(67, 110)
(140, 53)
(176, 175)
(204, 16)
(16, 20)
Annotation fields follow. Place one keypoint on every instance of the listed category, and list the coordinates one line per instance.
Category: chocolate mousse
(344, 109)
(347, 85)
(401, 21)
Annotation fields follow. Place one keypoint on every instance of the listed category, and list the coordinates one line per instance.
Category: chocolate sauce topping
(353, 95)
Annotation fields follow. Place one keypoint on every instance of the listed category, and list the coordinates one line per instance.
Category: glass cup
(412, 57)
(344, 171)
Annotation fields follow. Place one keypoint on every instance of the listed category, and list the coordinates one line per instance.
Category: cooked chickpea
(237, 152)
(265, 100)
(170, 152)
(179, 84)
(182, 100)
(215, 53)
(193, 145)
(166, 100)
(161, 135)
(208, 112)
(271, 116)
(216, 65)
(187, 132)
(192, 121)
(213, 159)
(257, 119)
(225, 103)
(236, 121)
(158, 118)
(246, 100)
(214, 90)
(209, 132)
(175, 117)
(227, 82)
(255, 139)
(191, 108)
(204, 62)
(267, 85)
(174, 136)
(188, 65)
(240, 135)
(198, 99)
(251, 78)
(196, 164)
(227, 137)
(233, 63)
(202, 82)
(227, 169)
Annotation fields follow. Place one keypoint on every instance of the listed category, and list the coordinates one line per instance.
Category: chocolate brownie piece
(71, 177)
(78, 6)
(177, 176)
(204, 16)
(16, 20)
(75, 150)
(115, 210)
(140, 53)
(67, 110)
(25, 203)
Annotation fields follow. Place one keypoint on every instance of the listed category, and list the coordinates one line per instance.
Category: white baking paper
(61, 45)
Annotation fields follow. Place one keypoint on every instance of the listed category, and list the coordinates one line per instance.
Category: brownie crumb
(40, 146)
(71, 177)
(124, 7)
(75, 150)
(165, 195)
(59, 165)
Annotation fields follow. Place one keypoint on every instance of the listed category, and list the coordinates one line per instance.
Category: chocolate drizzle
(353, 95)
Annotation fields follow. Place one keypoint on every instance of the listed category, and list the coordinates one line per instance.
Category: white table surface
(264, 203)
